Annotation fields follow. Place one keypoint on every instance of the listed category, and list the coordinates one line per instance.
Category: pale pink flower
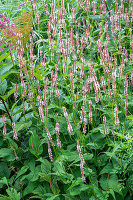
(84, 96)
(69, 127)
(126, 86)
(94, 7)
(132, 75)
(49, 135)
(14, 131)
(82, 162)
(116, 116)
(31, 56)
(40, 108)
(57, 132)
(85, 123)
(50, 151)
(105, 125)
(80, 120)
(17, 158)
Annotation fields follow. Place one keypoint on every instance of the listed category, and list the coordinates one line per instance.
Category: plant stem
(6, 108)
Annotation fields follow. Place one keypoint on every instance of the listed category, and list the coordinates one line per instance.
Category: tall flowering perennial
(49, 135)
(81, 116)
(132, 75)
(22, 4)
(40, 108)
(82, 162)
(94, 7)
(55, 83)
(21, 74)
(116, 116)
(36, 12)
(50, 151)
(31, 56)
(105, 125)
(15, 154)
(45, 99)
(14, 131)
(114, 80)
(95, 85)
(126, 95)
(69, 127)
(85, 123)
(84, 96)
(57, 132)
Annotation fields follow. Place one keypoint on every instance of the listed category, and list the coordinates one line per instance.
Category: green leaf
(34, 174)
(40, 190)
(5, 68)
(13, 71)
(3, 181)
(2, 107)
(35, 144)
(78, 189)
(53, 197)
(69, 156)
(12, 143)
(30, 187)
(88, 156)
(4, 170)
(45, 165)
(110, 181)
(13, 195)
(22, 171)
(3, 87)
(20, 125)
(107, 169)
(4, 198)
(111, 154)
(3, 56)
(112, 193)
(7, 154)
(10, 92)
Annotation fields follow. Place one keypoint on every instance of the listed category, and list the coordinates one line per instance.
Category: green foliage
(44, 162)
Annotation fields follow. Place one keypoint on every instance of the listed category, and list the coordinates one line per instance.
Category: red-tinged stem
(6, 108)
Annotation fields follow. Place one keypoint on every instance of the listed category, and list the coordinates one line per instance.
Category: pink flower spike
(49, 151)
(116, 116)
(105, 125)
(82, 162)
(14, 131)
(57, 132)
(49, 135)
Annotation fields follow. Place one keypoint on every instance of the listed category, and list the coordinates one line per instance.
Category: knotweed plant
(66, 100)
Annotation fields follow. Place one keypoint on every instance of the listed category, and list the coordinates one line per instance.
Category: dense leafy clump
(66, 100)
